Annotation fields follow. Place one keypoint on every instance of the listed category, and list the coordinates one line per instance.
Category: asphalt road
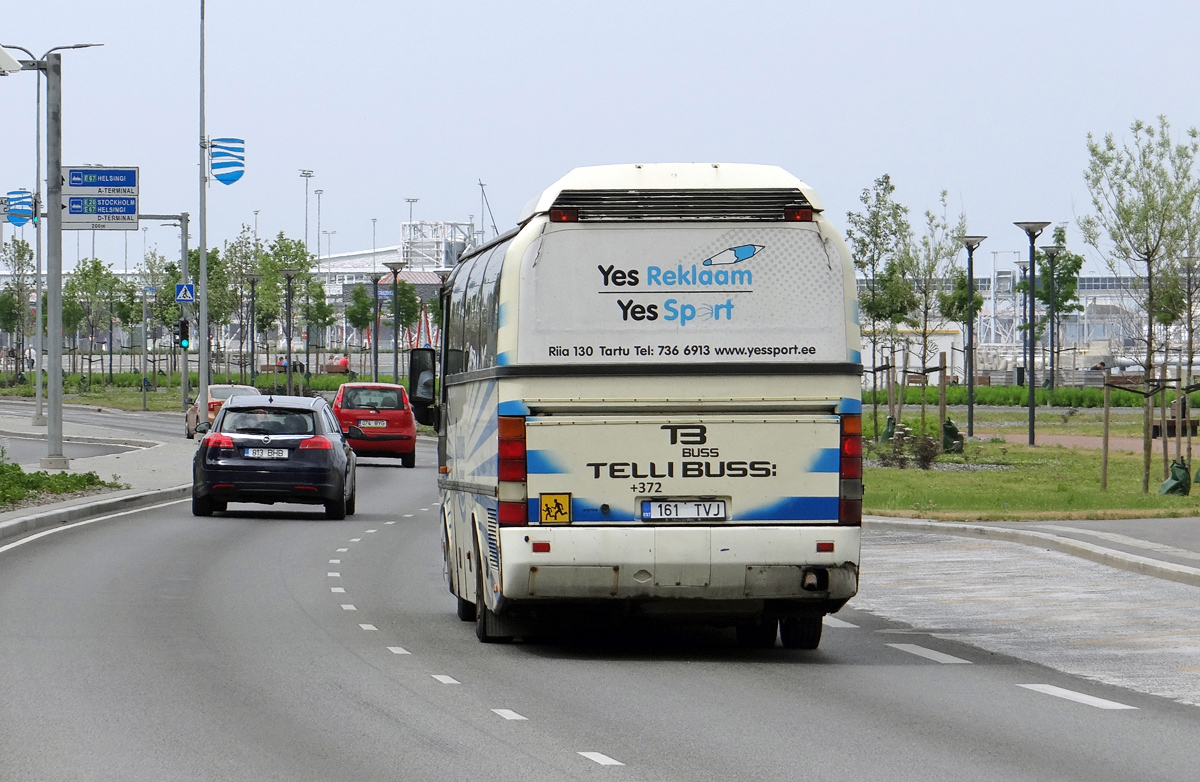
(158, 646)
(122, 423)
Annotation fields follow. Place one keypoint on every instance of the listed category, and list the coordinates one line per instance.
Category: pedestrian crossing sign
(185, 293)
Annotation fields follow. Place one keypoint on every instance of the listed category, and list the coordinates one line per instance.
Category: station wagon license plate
(372, 424)
(658, 510)
(266, 453)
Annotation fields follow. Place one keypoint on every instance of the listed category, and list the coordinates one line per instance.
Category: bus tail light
(850, 490)
(798, 214)
(564, 215)
(512, 470)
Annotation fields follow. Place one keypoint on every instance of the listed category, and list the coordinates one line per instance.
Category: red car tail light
(316, 443)
(217, 440)
(214, 405)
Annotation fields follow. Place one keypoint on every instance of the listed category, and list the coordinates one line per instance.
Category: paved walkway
(1130, 444)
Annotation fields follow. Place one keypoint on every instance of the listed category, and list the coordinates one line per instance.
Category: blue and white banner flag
(227, 157)
(20, 206)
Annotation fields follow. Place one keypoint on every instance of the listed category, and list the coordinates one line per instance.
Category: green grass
(1042, 482)
(1018, 396)
(16, 484)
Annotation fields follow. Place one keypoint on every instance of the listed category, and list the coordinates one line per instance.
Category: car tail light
(512, 471)
(214, 405)
(316, 443)
(798, 214)
(217, 440)
(850, 489)
(564, 215)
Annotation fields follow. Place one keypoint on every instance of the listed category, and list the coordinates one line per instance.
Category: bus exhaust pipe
(814, 579)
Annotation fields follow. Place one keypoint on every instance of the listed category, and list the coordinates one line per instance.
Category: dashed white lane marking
(331, 574)
(444, 679)
(335, 562)
(56, 530)
(336, 590)
(389, 522)
(930, 654)
(343, 550)
(372, 530)
(355, 540)
(601, 758)
(1078, 697)
(398, 650)
(509, 714)
(408, 515)
(833, 621)
(348, 607)
(369, 627)
(424, 508)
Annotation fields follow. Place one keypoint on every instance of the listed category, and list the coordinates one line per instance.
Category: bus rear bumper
(729, 564)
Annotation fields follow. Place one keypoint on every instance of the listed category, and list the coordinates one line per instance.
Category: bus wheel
(485, 620)
(760, 635)
(466, 610)
(802, 632)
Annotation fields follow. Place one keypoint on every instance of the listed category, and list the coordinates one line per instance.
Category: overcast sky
(387, 100)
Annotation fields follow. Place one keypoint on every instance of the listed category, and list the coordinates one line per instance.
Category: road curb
(85, 439)
(1105, 556)
(54, 517)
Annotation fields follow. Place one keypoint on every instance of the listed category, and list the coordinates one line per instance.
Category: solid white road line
(337, 590)
(53, 530)
(398, 650)
(929, 654)
(509, 714)
(369, 627)
(833, 621)
(1078, 697)
(335, 562)
(331, 574)
(348, 607)
(601, 758)
(444, 679)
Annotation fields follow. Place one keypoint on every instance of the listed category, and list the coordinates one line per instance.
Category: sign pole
(185, 378)
(202, 282)
(54, 458)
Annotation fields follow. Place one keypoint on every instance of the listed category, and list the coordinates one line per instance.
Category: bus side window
(472, 327)
(489, 317)
(456, 338)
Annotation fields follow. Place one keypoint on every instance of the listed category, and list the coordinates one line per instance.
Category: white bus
(649, 403)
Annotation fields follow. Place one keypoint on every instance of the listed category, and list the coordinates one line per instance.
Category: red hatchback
(382, 412)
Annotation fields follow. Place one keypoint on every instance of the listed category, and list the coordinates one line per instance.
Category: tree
(92, 286)
(360, 313)
(1066, 285)
(953, 303)
(17, 258)
(877, 236)
(1142, 192)
(931, 263)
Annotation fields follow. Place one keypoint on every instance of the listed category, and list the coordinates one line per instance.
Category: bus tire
(485, 621)
(466, 610)
(759, 635)
(801, 632)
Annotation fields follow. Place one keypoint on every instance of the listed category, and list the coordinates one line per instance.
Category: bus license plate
(655, 510)
(266, 453)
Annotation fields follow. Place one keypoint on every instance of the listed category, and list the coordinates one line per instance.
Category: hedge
(1018, 396)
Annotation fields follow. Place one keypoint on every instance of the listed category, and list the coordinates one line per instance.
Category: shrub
(925, 450)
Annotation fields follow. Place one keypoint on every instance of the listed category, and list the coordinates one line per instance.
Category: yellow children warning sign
(554, 508)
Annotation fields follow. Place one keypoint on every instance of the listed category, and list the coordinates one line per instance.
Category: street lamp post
(395, 266)
(375, 332)
(1051, 253)
(289, 275)
(307, 174)
(253, 279)
(51, 64)
(1023, 265)
(1033, 230)
(971, 242)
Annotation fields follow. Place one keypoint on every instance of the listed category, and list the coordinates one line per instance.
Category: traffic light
(175, 332)
(183, 334)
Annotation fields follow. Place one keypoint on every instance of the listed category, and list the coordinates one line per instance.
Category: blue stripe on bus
(850, 405)
(504, 359)
(856, 356)
(826, 460)
(489, 432)
(794, 509)
(512, 407)
(543, 463)
(503, 315)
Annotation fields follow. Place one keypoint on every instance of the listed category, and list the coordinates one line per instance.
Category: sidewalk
(156, 469)
(1163, 548)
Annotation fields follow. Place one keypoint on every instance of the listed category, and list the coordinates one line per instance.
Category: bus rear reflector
(824, 546)
(797, 214)
(564, 215)
(541, 547)
(513, 513)
(850, 512)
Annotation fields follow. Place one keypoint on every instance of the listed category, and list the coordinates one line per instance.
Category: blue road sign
(20, 206)
(185, 294)
(228, 159)
(102, 205)
(102, 177)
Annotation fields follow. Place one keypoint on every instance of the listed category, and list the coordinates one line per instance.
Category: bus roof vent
(693, 204)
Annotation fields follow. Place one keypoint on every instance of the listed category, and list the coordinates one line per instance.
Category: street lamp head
(1034, 229)
(395, 266)
(306, 173)
(253, 278)
(318, 191)
(8, 63)
(1053, 250)
(290, 274)
(444, 274)
(1023, 265)
(971, 242)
